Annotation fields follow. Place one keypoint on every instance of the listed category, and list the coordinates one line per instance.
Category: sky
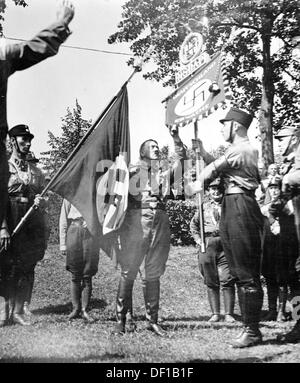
(40, 96)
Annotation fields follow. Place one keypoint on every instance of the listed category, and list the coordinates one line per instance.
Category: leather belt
(19, 199)
(237, 190)
(147, 205)
(77, 222)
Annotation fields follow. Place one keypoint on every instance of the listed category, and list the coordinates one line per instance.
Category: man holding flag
(16, 57)
(145, 232)
(95, 179)
(241, 220)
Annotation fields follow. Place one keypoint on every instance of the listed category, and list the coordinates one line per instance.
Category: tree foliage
(73, 129)
(3, 7)
(264, 79)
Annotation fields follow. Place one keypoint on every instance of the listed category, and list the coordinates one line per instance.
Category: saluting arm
(45, 44)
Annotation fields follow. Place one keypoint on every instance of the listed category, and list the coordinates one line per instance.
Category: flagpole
(137, 68)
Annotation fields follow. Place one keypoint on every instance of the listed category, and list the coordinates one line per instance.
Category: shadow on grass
(89, 358)
(67, 307)
(247, 359)
(199, 318)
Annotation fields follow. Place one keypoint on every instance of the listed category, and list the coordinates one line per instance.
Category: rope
(81, 48)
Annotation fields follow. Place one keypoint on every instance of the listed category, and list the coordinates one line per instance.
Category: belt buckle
(153, 205)
(23, 199)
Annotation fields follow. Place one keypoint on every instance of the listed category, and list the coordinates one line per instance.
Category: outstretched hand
(66, 12)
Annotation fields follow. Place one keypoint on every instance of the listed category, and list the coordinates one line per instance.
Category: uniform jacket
(26, 180)
(212, 215)
(154, 184)
(238, 166)
(68, 212)
(15, 57)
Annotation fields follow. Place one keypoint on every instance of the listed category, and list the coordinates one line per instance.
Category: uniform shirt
(212, 216)
(238, 167)
(25, 179)
(153, 184)
(15, 57)
(68, 212)
(292, 176)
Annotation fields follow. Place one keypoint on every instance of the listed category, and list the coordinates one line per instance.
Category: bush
(54, 206)
(180, 214)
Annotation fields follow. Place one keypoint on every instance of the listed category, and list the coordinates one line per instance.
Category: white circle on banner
(190, 48)
(194, 98)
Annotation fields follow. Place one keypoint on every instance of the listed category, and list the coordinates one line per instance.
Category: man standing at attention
(145, 232)
(241, 219)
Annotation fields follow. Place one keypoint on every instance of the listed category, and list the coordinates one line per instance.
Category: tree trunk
(267, 98)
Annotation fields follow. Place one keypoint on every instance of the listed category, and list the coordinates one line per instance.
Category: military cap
(275, 181)
(20, 130)
(287, 131)
(238, 115)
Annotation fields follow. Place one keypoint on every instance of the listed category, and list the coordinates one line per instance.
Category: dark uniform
(145, 236)
(280, 249)
(82, 250)
(29, 244)
(213, 264)
(241, 221)
(15, 57)
(291, 187)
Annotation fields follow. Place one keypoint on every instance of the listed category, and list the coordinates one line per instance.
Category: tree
(262, 81)
(3, 7)
(73, 129)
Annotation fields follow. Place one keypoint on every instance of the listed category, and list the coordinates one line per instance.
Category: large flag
(96, 179)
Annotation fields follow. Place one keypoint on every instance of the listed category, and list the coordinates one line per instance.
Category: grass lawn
(184, 311)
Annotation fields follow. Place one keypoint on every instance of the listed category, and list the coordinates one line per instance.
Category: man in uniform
(289, 143)
(15, 57)
(82, 256)
(241, 219)
(213, 264)
(145, 232)
(280, 249)
(28, 246)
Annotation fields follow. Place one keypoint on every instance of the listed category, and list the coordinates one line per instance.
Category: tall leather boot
(21, 292)
(272, 291)
(130, 322)
(123, 302)
(292, 336)
(29, 294)
(4, 314)
(151, 296)
(213, 295)
(229, 299)
(75, 298)
(86, 297)
(241, 303)
(282, 297)
(251, 300)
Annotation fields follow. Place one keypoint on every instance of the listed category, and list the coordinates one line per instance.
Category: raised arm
(45, 44)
